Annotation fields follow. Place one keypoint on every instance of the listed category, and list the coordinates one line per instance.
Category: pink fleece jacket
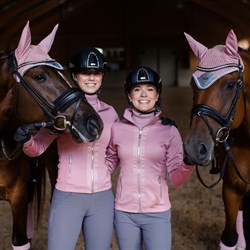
(147, 152)
(81, 166)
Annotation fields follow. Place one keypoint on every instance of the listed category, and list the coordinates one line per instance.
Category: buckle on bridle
(61, 123)
(222, 135)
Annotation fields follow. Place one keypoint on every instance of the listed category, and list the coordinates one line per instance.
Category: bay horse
(220, 127)
(35, 92)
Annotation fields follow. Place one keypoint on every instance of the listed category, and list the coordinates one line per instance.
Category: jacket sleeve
(178, 171)
(112, 158)
(180, 175)
(38, 143)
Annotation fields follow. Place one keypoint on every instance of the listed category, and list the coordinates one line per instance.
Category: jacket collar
(139, 119)
(96, 103)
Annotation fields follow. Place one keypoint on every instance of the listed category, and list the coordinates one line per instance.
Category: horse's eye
(230, 85)
(40, 78)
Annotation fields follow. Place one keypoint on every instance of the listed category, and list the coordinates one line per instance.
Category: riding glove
(22, 134)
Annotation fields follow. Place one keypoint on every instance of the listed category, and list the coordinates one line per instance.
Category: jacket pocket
(160, 184)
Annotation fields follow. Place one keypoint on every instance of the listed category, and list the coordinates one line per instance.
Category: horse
(220, 128)
(35, 92)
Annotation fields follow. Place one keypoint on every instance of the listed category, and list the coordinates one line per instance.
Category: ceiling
(123, 23)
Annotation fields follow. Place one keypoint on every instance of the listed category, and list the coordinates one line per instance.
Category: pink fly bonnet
(215, 62)
(29, 56)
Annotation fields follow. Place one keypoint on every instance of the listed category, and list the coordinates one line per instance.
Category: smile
(91, 84)
(144, 101)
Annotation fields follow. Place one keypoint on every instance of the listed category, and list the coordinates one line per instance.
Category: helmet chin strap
(155, 110)
(95, 93)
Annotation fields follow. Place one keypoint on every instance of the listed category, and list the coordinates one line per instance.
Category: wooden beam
(235, 12)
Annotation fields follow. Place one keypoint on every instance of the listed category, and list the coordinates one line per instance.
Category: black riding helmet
(143, 75)
(88, 59)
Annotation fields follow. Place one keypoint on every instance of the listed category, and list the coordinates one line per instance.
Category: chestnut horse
(220, 127)
(34, 91)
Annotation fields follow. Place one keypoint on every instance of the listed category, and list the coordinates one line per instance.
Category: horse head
(40, 93)
(219, 101)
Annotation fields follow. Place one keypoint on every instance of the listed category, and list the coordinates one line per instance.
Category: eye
(136, 89)
(40, 77)
(230, 85)
(150, 89)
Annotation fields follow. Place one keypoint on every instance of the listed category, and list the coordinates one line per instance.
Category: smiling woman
(149, 152)
(141, 83)
(34, 93)
(143, 97)
(83, 181)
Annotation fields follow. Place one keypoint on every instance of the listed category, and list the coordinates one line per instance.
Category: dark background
(125, 24)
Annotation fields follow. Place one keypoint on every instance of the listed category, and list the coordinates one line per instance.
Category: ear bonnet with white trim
(215, 62)
(29, 56)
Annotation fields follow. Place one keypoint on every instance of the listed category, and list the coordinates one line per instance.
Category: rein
(15, 153)
(69, 97)
(221, 136)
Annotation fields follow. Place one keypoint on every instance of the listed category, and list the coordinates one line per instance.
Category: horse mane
(245, 57)
(6, 95)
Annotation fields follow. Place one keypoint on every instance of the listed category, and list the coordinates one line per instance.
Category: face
(143, 97)
(89, 81)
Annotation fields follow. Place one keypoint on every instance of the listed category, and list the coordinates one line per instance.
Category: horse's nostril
(93, 127)
(202, 150)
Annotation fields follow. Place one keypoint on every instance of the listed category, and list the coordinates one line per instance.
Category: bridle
(221, 136)
(226, 121)
(61, 103)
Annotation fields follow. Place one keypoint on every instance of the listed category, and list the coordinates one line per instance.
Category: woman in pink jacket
(149, 150)
(82, 198)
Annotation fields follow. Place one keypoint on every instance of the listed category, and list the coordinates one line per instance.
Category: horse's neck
(244, 128)
(6, 105)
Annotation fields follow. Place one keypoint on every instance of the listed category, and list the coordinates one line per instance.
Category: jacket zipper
(92, 168)
(121, 186)
(70, 165)
(139, 169)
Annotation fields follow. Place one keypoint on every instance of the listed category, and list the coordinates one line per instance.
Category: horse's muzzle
(92, 130)
(93, 127)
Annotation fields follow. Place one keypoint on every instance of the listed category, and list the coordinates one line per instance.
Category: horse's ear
(47, 42)
(232, 43)
(199, 49)
(24, 41)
